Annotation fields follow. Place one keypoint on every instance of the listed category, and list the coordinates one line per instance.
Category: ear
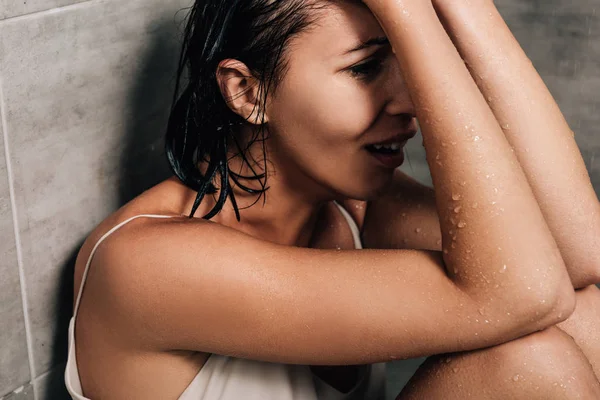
(240, 90)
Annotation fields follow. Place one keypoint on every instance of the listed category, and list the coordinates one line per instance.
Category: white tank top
(229, 378)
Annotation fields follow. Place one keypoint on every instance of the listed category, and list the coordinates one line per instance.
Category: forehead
(337, 28)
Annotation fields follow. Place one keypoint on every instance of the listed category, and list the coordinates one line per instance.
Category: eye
(367, 70)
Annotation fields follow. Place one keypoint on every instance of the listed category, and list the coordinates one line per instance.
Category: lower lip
(389, 160)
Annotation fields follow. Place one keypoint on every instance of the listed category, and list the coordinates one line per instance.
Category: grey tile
(23, 393)
(51, 385)
(87, 93)
(13, 8)
(399, 373)
(415, 164)
(14, 361)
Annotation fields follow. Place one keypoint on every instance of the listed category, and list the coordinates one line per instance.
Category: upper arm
(197, 285)
(405, 217)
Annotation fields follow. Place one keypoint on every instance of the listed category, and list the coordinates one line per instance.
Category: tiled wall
(84, 92)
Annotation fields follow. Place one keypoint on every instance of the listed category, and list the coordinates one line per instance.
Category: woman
(293, 121)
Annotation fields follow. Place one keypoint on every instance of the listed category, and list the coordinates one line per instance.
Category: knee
(544, 365)
(548, 359)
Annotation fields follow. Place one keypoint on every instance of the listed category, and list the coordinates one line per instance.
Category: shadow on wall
(142, 162)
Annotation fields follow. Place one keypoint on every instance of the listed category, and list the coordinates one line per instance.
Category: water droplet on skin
(445, 251)
(515, 378)
(475, 205)
(495, 190)
(444, 144)
(481, 311)
(453, 245)
(464, 183)
(507, 127)
(453, 221)
(439, 242)
(456, 197)
(457, 209)
(454, 369)
(503, 269)
(418, 230)
(404, 214)
(447, 360)
(453, 143)
(476, 139)
(462, 224)
(455, 271)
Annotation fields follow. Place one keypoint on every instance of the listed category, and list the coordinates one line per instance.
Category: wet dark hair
(201, 125)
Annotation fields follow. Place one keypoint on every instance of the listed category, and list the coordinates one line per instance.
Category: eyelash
(367, 70)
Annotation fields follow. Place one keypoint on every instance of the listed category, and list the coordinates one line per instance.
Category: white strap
(353, 226)
(107, 234)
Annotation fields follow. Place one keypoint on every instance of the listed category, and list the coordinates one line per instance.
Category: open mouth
(392, 148)
(389, 155)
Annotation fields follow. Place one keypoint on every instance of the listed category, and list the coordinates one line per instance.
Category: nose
(398, 97)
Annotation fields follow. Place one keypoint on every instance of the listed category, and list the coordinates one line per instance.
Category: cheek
(332, 109)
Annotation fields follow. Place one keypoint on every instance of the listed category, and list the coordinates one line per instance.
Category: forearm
(485, 222)
(536, 129)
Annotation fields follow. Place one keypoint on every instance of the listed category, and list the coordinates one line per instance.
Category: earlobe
(240, 90)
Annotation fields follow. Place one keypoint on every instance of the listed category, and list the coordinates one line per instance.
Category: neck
(287, 213)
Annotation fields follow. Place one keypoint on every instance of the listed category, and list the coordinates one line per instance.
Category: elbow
(558, 308)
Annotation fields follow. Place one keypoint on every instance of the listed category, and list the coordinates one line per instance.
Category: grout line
(53, 10)
(17, 234)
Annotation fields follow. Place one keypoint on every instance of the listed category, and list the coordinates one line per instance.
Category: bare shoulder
(144, 204)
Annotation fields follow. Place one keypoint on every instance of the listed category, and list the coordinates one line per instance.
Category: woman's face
(333, 102)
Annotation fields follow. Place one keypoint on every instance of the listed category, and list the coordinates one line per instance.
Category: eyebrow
(378, 41)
